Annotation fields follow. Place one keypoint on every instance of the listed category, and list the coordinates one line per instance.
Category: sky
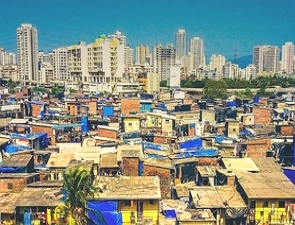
(224, 25)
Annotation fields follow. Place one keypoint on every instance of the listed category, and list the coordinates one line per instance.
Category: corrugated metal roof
(240, 164)
(19, 160)
(129, 188)
(59, 160)
(7, 201)
(39, 197)
(272, 185)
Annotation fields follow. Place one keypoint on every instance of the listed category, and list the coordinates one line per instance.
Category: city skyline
(221, 24)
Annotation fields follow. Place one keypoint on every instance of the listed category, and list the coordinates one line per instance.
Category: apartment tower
(287, 58)
(266, 58)
(181, 43)
(27, 52)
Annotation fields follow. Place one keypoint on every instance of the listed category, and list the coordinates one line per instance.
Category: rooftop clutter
(155, 159)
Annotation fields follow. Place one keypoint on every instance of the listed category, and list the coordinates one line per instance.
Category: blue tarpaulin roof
(61, 126)
(27, 136)
(197, 153)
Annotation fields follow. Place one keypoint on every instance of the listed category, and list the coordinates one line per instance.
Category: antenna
(236, 54)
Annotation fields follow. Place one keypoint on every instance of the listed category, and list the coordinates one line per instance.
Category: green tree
(215, 89)
(78, 188)
(163, 83)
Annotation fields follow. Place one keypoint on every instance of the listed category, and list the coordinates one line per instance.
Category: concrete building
(128, 56)
(163, 59)
(217, 62)
(7, 58)
(60, 64)
(181, 43)
(250, 72)
(266, 58)
(142, 52)
(46, 73)
(27, 52)
(197, 52)
(230, 70)
(174, 77)
(287, 58)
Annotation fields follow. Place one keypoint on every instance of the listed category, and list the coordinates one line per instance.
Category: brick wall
(261, 115)
(92, 108)
(15, 184)
(129, 105)
(257, 148)
(163, 174)
(130, 166)
(108, 133)
(191, 131)
(207, 161)
(162, 140)
(36, 109)
(287, 130)
(40, 128)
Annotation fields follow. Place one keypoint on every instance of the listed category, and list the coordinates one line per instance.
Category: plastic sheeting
(197, 153)
(27, 218)
(9, 169)
(170, 213)
(103, 205)
(106, 209)
(108, 110)
(84, 127)
(191, 144)
(290, 173)
(153, 146)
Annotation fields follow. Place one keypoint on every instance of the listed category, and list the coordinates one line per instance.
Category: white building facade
(27, 52)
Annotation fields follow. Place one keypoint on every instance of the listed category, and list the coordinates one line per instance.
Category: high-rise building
(142, 52)
(266, 58)
(217, 62)
(287, 58)
(128, 56)
(197, 52)
(7, 58)
(250, 72)
(60, 64)
(181, 43)
(122, 38)
(163, 59)
(27, 52)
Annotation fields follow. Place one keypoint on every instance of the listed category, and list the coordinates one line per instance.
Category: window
(167, 121)
(281, 204)
(127, 203)
(151, 201)
(130, 124)
(265, 204)
(252, 204)
(234, 129)
(10, 186)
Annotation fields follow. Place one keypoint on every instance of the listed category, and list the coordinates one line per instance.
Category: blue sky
(222, 24)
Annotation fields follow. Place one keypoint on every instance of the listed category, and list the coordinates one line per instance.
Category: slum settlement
(169, 158)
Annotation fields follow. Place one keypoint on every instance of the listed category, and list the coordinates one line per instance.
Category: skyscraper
(181, 43)
(163, 59)
(142, 52)
(197, 52)
(287, 58)
(266, 58)
(27, 52)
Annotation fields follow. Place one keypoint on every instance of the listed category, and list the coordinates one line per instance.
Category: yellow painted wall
(261, 213)
(135, 125)
(149, 210)
(7, 220)
(151, 119)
